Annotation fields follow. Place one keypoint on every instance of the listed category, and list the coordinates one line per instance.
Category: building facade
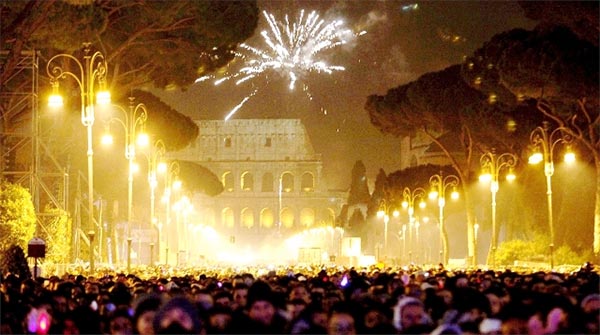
(272, 178)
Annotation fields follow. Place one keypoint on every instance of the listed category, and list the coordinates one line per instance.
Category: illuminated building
(272, 178)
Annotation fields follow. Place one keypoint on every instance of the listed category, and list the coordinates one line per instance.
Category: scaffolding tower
(26, 152)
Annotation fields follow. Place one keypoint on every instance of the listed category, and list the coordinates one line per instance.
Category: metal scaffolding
(25, 145)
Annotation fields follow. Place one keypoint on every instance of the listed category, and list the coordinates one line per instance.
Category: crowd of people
(328, 300)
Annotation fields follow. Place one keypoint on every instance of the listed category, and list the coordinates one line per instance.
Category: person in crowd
(262, 313)
(219, 320)
(178, 316)
(325, 300)
(145, 308)
(120, 322)
(341, 321)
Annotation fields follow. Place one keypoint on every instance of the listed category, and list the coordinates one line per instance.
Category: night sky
(401, 44)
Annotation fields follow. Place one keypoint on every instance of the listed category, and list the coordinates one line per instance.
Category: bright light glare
(162, 167)
(569, 157)
(380, 214)
(55, 101)
(143, 140)
(103, 98)
(433, 195)
(422, 204)
(454, 195)
(536, 158)
(485, 178)
(107, 139)
(511, 177)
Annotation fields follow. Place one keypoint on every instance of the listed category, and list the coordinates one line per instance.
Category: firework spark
(293, 51)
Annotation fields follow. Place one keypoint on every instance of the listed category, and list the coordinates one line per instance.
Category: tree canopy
(17, 216)
(359, 189)
(166, 43)
(505, 89)
(197, 178)
(581, 17)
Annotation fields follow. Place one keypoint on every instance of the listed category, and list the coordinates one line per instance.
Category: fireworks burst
(293, 50)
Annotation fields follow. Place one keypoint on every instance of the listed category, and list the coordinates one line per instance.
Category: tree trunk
(597, 208)
(471, 245)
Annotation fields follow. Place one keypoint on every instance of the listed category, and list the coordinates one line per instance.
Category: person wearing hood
(177, 316)
(410, 316)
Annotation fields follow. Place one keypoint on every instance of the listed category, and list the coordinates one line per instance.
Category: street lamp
(492, 164)
(410, 196)
(132, 121)
(383, 213)
(92, 71)
(172, 183)
(183, 208)
(545, 141)
(154, 158)
(439, 185)
(476, 236)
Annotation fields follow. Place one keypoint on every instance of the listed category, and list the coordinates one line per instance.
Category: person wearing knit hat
(262, 315)
(177, 316)
(145, 309)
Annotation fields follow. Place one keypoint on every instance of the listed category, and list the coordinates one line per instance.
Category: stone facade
(271, 174)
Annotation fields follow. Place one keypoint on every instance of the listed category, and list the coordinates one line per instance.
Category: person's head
(341, 322)
(120, 322)
(295, 307)
(373, 318)
(409, 312)
(59, 302)
(223, 299)
(261, 303)
(299, 291)
(591, 303)
(177, 316)
(240, 294)
(203, 298)
(219, 320)
(145, 310)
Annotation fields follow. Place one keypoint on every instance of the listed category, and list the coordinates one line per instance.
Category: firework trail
(293, 50)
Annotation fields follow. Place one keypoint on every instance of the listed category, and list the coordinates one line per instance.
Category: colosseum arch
(247, 181)
(247, 218)
(287, 182)
(307, 217)
(307, 183)
(266, 218)
(227, 218)
(287, 217)
(227, 180)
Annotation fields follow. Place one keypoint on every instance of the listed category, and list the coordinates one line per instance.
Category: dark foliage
(359, 188)
(14, 262)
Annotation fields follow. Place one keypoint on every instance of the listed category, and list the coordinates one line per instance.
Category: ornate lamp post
(545, 141)
(87, 74)
(384, 213)
(155, 165)
(133, 122)
(476, 236)
(492, 164)
(439, 185)
(171, 172)
(410, 196)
